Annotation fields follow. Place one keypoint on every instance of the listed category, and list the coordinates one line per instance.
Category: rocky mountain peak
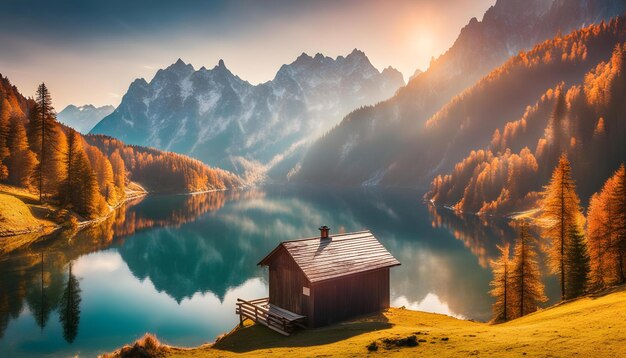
(356, 53)
(137, 84)
(178, 69)
(83, 118)
(225, 121)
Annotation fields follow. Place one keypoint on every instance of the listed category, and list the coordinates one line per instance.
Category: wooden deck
(275, 318)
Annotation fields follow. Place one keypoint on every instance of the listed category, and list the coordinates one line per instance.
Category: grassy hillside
(15, 217)
(591, 326)
(20, 212)
(22, 219)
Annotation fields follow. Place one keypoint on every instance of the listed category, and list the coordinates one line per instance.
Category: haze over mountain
(83, 118)
(389, 144)
(584, 120)
(223, 120)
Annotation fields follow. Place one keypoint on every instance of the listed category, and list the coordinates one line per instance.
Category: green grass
(592, 326)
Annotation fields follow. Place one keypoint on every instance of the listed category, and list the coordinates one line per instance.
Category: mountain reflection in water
(175, 264)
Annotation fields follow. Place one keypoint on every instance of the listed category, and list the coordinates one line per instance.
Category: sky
(89, 51)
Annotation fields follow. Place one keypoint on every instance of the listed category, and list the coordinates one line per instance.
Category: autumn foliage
(501, 285)
(162, 171)
(584, 121)
(561, 220)
(606, 231)
(517, 284)
(85, 174)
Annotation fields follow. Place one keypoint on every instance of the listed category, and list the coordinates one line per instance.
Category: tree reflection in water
(198, 248)
(69, 307)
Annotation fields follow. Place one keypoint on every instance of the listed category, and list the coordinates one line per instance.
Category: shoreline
(16, 239)
(514, 215)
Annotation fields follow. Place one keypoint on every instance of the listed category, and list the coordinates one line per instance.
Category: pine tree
(22, 161)
(500, 285)
(69, 308)
(560, 210)
(577, 262)
(527, 290)
(48, 142)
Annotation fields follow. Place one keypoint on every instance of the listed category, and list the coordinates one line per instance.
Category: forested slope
(86, 175)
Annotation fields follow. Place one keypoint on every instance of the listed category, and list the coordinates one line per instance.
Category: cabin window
(306, 291)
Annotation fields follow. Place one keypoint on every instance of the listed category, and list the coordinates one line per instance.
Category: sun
(422, 41)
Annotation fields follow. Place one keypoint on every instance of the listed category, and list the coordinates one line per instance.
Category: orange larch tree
(560, 212)
(527, 290)
(598, 241)
(501, 285)
(21, 161)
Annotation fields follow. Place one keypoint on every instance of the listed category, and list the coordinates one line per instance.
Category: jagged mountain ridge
(371, 146)
(225, 121)
(83, 118)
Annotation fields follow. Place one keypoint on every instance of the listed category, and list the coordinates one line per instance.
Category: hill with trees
(410, 138)
(583, 120)
(87, 175)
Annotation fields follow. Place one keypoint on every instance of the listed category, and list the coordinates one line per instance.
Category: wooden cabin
(327, 279)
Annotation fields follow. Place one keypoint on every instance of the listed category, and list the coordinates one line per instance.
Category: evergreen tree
(69, 308)
(48, 142)
(577, 261)
(500, 285)
(22, 161)
(560, 210)
(527, 290)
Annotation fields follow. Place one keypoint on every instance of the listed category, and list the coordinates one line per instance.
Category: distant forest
(85, 174)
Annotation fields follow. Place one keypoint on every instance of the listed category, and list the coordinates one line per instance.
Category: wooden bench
(269, 315)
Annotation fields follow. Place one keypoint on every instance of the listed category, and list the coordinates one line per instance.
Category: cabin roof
(340, 255)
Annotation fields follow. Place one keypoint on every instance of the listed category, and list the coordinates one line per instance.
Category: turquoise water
(175, 265)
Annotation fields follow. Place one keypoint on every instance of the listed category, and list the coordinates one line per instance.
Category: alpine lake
(174, 265)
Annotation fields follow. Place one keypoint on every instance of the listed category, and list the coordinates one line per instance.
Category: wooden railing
(258, 310)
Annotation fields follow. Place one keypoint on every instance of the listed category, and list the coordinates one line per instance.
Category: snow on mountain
(227, 122)
(83, 118)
